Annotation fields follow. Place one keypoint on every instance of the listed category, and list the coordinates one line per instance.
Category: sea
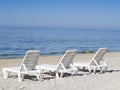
(15, 42)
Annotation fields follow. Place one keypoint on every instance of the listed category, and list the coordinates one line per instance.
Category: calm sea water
(15, 42)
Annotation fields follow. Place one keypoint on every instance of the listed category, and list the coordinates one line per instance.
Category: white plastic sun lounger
(27, 67)
(63, 66)
(96, 62)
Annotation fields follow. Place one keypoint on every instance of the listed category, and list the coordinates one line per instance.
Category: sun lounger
(27, 67)
(63, 66)
(97, 62)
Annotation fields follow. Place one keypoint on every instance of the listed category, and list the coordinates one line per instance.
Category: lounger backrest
(66, 59)
(30, 60)
(98, 56)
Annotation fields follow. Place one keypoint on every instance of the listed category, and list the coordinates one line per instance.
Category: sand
(100, 81)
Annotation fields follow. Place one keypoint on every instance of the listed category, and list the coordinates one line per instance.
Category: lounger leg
(76, 72)
(73, 73)
(38, 76)
(89, 70)
(101, 70)
(105, 69)
(22, 76)
(19, 77)
(57, 75)
(61, 75)
(94, 71)
(5, 73)
(41, 74)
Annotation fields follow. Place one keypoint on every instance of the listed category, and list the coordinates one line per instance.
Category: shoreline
(14, 56)
(47, 55)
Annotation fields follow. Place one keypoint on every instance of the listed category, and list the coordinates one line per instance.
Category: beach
(83, 81)
(52, 32)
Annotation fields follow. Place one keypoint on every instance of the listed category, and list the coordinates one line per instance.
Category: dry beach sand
(100, 81)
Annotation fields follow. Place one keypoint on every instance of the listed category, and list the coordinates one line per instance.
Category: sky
(60, 13)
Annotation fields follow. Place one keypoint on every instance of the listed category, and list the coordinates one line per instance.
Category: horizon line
(41, 27)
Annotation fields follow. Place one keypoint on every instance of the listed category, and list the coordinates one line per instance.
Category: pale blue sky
(60, 13)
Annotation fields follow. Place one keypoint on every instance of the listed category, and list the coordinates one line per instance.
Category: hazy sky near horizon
(60, 13)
